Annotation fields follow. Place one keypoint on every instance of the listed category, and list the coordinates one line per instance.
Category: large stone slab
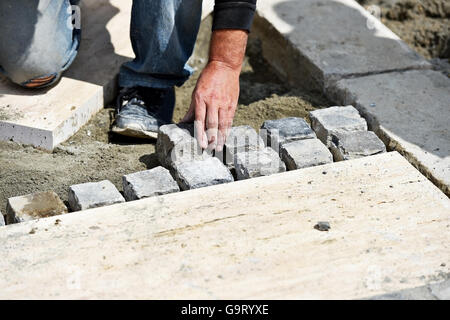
(248, 239)
(45, 118)
(313, 43)
(34, 206)
(2, 220)
(410, 112)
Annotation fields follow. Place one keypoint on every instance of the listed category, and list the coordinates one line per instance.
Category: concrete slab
(45, 118)
(410, 112)
(313, 43)
(248, 239)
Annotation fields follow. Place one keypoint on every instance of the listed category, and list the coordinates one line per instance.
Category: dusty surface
(94, 154)
(423, 24)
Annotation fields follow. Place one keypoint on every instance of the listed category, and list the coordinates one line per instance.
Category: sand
(422, 24)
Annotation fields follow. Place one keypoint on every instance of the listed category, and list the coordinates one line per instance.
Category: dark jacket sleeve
(234, 14)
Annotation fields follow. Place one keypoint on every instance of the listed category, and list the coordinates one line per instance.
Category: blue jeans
(38, 41)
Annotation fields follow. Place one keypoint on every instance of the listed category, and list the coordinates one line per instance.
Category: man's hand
(213, 104)
(216, 94)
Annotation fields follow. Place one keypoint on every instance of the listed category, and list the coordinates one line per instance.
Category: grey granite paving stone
(336, 120)
(148, 183)
(256, 163)
(201, 173)
(305, 153)
(93, 194)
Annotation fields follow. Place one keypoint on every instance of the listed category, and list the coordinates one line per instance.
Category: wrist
(227, 48)
(224, 65)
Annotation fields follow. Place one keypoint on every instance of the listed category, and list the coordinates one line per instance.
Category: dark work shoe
(141, 111)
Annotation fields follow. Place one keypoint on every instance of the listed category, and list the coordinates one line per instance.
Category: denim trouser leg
(163, 34)
(37, 39)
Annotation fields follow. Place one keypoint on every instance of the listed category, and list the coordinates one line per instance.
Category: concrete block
(353, 145)
(34, 206)
(240, 139)
(93, 194)
(336, 120)
(257, 163)
(410, 112)
(309, 51)
(176, 144)
(277, 132)
(202, 173)
(149, 183)
(305, 153)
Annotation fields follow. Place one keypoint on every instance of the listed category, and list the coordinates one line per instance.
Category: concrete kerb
(313, 58)
(305, 50)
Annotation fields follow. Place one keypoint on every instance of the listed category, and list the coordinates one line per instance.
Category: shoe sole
(135, 133)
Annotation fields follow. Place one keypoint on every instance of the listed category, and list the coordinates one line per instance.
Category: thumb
(190, 114)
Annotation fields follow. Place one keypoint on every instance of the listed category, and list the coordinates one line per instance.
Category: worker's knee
(39, 63)
(33, 74)
(45, 44)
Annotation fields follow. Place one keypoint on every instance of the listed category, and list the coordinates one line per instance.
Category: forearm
(228, 48)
